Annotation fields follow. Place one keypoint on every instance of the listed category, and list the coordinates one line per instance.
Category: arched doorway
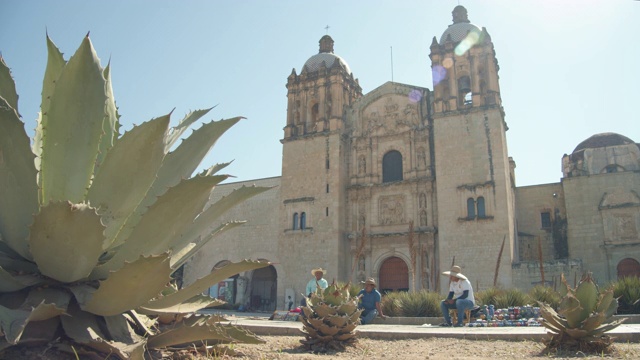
(394, 275)
(628, 267)
(264, 285)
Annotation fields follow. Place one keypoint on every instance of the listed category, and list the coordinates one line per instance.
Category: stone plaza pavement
(418, 328)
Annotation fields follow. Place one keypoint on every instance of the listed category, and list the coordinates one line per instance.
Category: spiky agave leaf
(95, 183)
(330, 318)
(575, 329)
(18, 188)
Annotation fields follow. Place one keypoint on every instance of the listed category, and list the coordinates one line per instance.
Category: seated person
(460, 296)
(369, 302)
(312, 285)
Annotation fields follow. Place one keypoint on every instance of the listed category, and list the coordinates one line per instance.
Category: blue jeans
(460, 304)
(367, 316)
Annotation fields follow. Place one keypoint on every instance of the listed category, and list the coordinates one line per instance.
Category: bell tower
(317, 97)
(315, 167)
(474, 174)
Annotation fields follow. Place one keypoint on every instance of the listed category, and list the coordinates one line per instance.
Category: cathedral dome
(603, 140)
(325, 55)
(461, 26)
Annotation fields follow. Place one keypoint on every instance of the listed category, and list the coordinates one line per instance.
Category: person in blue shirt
(460, 296)
(369, 302)
(312, 285)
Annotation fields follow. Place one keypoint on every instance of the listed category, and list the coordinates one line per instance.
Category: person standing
(369, 302)
(460, 296)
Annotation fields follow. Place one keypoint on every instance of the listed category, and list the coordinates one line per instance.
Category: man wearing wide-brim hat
(369, 302)
(460, 296)
(317, 281)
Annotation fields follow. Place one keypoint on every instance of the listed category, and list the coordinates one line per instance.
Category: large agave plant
(583, 316)
(330, 318)
(94, 224)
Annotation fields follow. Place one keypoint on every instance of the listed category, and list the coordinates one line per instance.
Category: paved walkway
(391, 329)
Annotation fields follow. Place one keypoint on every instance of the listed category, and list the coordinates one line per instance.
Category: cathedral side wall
(603, 220)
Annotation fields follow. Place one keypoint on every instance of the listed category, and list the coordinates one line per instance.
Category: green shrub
(511, 297)
(545, 295)
(627, 290)
(487, 297)
(391, 304)
(422, 303)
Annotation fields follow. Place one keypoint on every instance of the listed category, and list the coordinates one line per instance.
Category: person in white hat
(313, 284)
(460, 296)
(369, 302)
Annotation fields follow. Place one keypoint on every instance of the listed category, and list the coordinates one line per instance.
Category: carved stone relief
(391, 210)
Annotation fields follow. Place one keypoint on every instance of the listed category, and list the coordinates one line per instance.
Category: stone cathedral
(400, 183)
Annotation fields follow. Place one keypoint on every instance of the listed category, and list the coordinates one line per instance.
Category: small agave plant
(94, 224)
(583, 316)
(330, 318)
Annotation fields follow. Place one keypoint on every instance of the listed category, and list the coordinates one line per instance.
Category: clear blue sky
(568, 69)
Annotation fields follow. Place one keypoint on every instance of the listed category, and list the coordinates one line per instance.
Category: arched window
(480, 205)
(392, 166)
(303, 221)
(314, 114)
(471, 208)
(613, 168)
(464, 88)
(295, 221)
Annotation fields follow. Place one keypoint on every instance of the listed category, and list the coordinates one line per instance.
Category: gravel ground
(289, 347)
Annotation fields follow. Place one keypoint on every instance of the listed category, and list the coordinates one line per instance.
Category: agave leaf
(18, 188)
(338, 321)
(138, 153)
(84, 328)
(215, 168)
(552, 317)
(129, 287)
(587, 294)
(56, 301)
(110, 123)
(203, 283)
(180, 163)
(327, 329)
(55, 64)
(241, 335)
(613, 307)
(66, 240)
(202, 226)
(182, 334)
(324, 310)
(576, 333)
(13, 322)
(605, 301)
(120, 330)
(347, 308)
(74, 127)
(11, 283)
(345, 337)
(570, 308)
(15, 263)
(142, 321)
(592, 322)
(564, 288)
(607, 327)
(165, 221)
(189, 306)
(8, 86)
(183, 254)
(174, 134)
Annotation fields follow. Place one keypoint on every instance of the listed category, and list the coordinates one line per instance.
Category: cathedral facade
(402, 182)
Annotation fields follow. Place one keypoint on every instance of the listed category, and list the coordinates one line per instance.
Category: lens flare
(447, 63)
(415, 95)
(438, 73)
(473, 37)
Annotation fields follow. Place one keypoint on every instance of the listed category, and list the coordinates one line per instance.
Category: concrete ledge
(623, 333)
